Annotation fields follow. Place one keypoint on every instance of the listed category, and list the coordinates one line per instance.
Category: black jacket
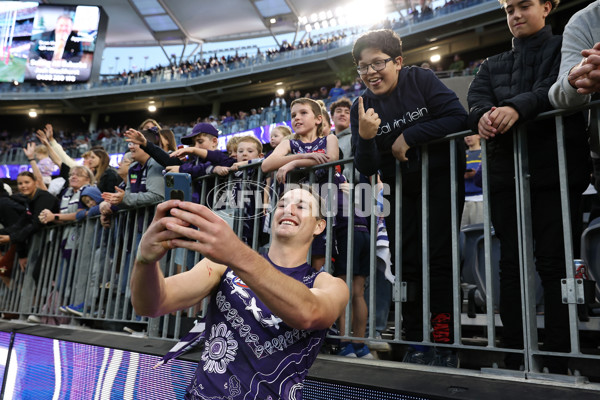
(29, 223)
(109, 179)
(521, 78)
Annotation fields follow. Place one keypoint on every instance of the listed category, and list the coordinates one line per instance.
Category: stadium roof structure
(476, 31)
(170, 22)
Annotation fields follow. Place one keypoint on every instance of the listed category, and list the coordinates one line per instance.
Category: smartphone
(178, 186)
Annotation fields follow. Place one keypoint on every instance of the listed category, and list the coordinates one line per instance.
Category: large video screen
(44, 42)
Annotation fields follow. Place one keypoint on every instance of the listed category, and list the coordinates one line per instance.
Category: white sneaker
(34, 319)
(377, 345)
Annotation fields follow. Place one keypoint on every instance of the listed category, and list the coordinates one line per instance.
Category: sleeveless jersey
(249, 352)
(319, 145)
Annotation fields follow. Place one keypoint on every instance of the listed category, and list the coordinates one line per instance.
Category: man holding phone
(267, 316)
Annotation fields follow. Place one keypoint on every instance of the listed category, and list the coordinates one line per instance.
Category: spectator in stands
(123, 171)
(11, 211)
(326, 118)
(37, 173)
(59, 157)
(241, 122)
(229, 119)
(106, 221)
(510, 88)
(32, 201)
(307, 302)
(277, 135)
(340, 113)
(291, 96)
(457, 64)
(106, 176)
(360, 253)
(474, 66)
(379, 125)
(337, 91)
(473, 210)
(80, 177)
(322, 94)
(179, 130)
(278, 106)
(147, 124)
(145, 188)
(249, 150)
(384, 280)
(231, 147)
(205, 157)
(157, 152)
(579, 77)
(44, 163)
(307, 147)
(91, 197)
(167, 140)
(358, 86)
(145, 185)
(253, 119)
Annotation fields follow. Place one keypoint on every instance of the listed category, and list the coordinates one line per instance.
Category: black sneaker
(445, 358)
(415, 356)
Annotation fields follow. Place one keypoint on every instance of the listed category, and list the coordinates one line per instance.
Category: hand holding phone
(178, 186)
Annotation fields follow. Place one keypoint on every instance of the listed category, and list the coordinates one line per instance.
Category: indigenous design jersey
(319, 145)
(250, 353)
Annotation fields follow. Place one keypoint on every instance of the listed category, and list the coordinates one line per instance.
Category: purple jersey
(319, 145)
(250, 353)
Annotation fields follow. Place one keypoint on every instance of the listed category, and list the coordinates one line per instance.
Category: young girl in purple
(306, 148)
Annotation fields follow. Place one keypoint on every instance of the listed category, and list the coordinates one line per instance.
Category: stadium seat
(468, 240)
(469, 235)
(473, 268)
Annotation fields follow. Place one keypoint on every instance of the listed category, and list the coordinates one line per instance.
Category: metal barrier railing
(97, 271)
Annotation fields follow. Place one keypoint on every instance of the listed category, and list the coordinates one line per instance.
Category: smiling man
(58, 44)
(267, 317)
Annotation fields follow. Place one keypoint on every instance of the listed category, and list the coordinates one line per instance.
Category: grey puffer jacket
(521, 78)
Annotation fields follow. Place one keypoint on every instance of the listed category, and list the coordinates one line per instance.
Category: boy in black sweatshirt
(402, 109)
